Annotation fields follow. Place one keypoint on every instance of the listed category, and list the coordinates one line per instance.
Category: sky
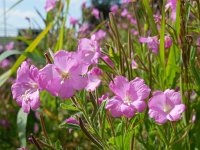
(16, 18)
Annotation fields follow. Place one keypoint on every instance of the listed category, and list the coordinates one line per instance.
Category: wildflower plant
(127, 83)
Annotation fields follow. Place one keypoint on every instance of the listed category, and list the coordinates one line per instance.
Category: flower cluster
(67, 74)
(130, 98)
(154, 43)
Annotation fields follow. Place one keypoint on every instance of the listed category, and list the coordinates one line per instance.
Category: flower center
(127, 100)
(26, 95)
(65, 76)
(167, 108)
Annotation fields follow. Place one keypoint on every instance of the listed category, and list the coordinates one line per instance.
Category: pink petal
(116, 112)
(35, 100)
(138, 89)
(26, 106)
(50, 79)
(174, 96)
(159, 116)
(65, 60)
(127, 111)
(175, 113)
(119, 86)
(66, 90)
(139, 105)
(113, 102)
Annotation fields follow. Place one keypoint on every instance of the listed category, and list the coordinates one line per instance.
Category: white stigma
(127, 100)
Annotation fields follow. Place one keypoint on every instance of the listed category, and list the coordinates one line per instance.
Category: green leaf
(193, 67)
(150, 17)
(21, 126)
(106, 68)
(162, 39)
(6, 54)
(69, 126)
(68, 107)
(171, 67)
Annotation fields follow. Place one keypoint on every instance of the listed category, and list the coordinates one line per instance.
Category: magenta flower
(135, 32)
(26, 88)
(84, 28)
(49, 5)
(4, 123)
(83, 5)
(22, 148)
(108, 61)
(164, 106)
(90, 49)
(100, 35)
(102, 99)
(4, 63)
(172, 5)
(73, 21)
(95, 13)
(168, 42)
(126, 1)
(124, 13)
(65, 76)
(36, 127)
(114, 8)
(133, 21)
(9, 46)
(94, 79)
(198, 41)
(134, 65)
(71, 120)
(152, 42)
(129, 97)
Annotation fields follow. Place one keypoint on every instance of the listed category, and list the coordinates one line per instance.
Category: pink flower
(133, 21)
(102, 99)
(4, 123)
(83, 28)
(135, 32)
(83, 5)
(73, 21)
(22, 148)
(134, 65)
(198, 41)
(164, 106)
(49, 5)
(108, 61)
(126, 1)
(4, 63)
(65, 76)
(36, 127)
(100, 35)
(129, 97)
(152, 42)
(71, 120)
(114, 8)
(90, 49)
(124, 12)
(168, 42)
(26, 88)
(94, 79)
(172, 4)
(10, 46)
(95, 13)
